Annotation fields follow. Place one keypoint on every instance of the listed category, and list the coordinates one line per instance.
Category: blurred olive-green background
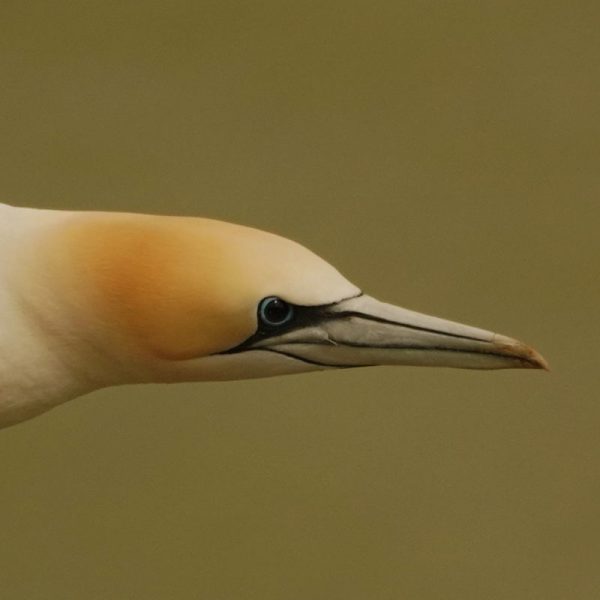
(446, 157)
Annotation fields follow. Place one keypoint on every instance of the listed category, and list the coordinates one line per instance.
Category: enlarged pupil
(276, 311)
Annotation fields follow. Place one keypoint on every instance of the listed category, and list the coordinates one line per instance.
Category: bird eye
(274, 311)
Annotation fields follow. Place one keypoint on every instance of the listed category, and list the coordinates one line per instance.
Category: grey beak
(362, 331)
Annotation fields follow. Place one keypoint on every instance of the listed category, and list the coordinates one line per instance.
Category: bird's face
(205, 300)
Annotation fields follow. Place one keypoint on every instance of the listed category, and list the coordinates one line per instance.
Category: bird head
(197, 299)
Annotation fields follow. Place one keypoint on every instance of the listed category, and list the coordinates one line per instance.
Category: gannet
(95, 299)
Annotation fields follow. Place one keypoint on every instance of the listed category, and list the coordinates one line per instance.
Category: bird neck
(33, 377)
(42, 363)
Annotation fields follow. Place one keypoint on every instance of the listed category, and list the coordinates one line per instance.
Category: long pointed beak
(362, 331)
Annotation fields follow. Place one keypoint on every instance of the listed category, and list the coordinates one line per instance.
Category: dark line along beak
(362, 331)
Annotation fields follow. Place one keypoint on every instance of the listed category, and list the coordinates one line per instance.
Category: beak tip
(537, 361)
(528, 357)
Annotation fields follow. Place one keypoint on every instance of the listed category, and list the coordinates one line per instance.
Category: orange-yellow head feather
(184, 288)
